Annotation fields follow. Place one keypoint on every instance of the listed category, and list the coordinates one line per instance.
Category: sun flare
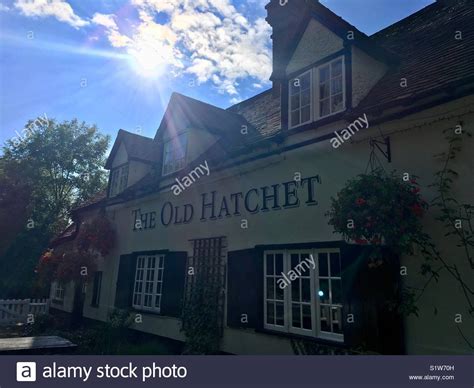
(147, 62)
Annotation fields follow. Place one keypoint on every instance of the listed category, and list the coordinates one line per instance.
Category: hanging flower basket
(379, 209)
(47, 266)
(75, 266)
(77, 260)
(65, 266)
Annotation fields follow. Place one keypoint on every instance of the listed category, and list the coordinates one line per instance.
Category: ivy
(202, 313)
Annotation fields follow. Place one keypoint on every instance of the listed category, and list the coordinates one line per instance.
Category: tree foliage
(52, 169)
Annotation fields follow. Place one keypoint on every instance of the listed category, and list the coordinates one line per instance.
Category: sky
(115, 63)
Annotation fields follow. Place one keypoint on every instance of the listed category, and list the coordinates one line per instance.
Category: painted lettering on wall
(215, 206)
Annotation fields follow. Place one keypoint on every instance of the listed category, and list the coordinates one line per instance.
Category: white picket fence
(14, 311)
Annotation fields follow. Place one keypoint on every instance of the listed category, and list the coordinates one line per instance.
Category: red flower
(360, 201)
(415, 190)
(361, 241)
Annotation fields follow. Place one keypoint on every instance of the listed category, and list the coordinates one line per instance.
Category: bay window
(303, 292)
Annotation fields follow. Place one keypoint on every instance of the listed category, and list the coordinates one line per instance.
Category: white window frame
(315, 97)
(311, 99)
(315, 301)
(114, 182)
(316, 88)
(58, 291)
(123, 180)
(171, 142)
(265, 298)
(118, 180)
(141, 278)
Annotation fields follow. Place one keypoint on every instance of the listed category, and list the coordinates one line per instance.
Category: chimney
(286, 17)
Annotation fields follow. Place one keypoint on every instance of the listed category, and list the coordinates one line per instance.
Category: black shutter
(173, 284)
(367, 293)
(245, 288)
(96, 289)
(125, 280)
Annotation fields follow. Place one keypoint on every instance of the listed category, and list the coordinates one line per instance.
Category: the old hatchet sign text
(214, 206)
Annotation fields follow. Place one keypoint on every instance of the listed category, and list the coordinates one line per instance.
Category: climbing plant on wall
(380, 209)
(456, 219)
(201, 318)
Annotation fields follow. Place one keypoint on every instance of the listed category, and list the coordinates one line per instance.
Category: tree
(14, 197)
(75, 261)
(61, 165)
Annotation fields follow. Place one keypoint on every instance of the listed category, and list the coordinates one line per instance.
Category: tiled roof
(429, 55)
(183, 112)
(262, 111)
(95, 199)
(137, 146)
(68, 234)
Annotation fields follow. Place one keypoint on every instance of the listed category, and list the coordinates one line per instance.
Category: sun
(147, 62)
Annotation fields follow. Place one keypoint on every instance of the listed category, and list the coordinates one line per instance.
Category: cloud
(107, 21)
(235, 100)
(4, 8)
(207, 39)
(59, 9)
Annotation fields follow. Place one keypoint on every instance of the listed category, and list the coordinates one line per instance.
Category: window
(58, 292)
(330, 88)
(326, 84)
(303, 292)
(300, 99)
(148, 283)
(330, 292)
(96, 288)
(174, 154)
(118, 180)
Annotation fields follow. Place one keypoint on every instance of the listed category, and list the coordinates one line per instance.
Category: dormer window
(317, 93)
(174, 153)
(330, 81)
(118, 180)
(300, 99)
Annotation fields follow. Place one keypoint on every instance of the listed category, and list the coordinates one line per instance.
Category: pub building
(273, 164)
